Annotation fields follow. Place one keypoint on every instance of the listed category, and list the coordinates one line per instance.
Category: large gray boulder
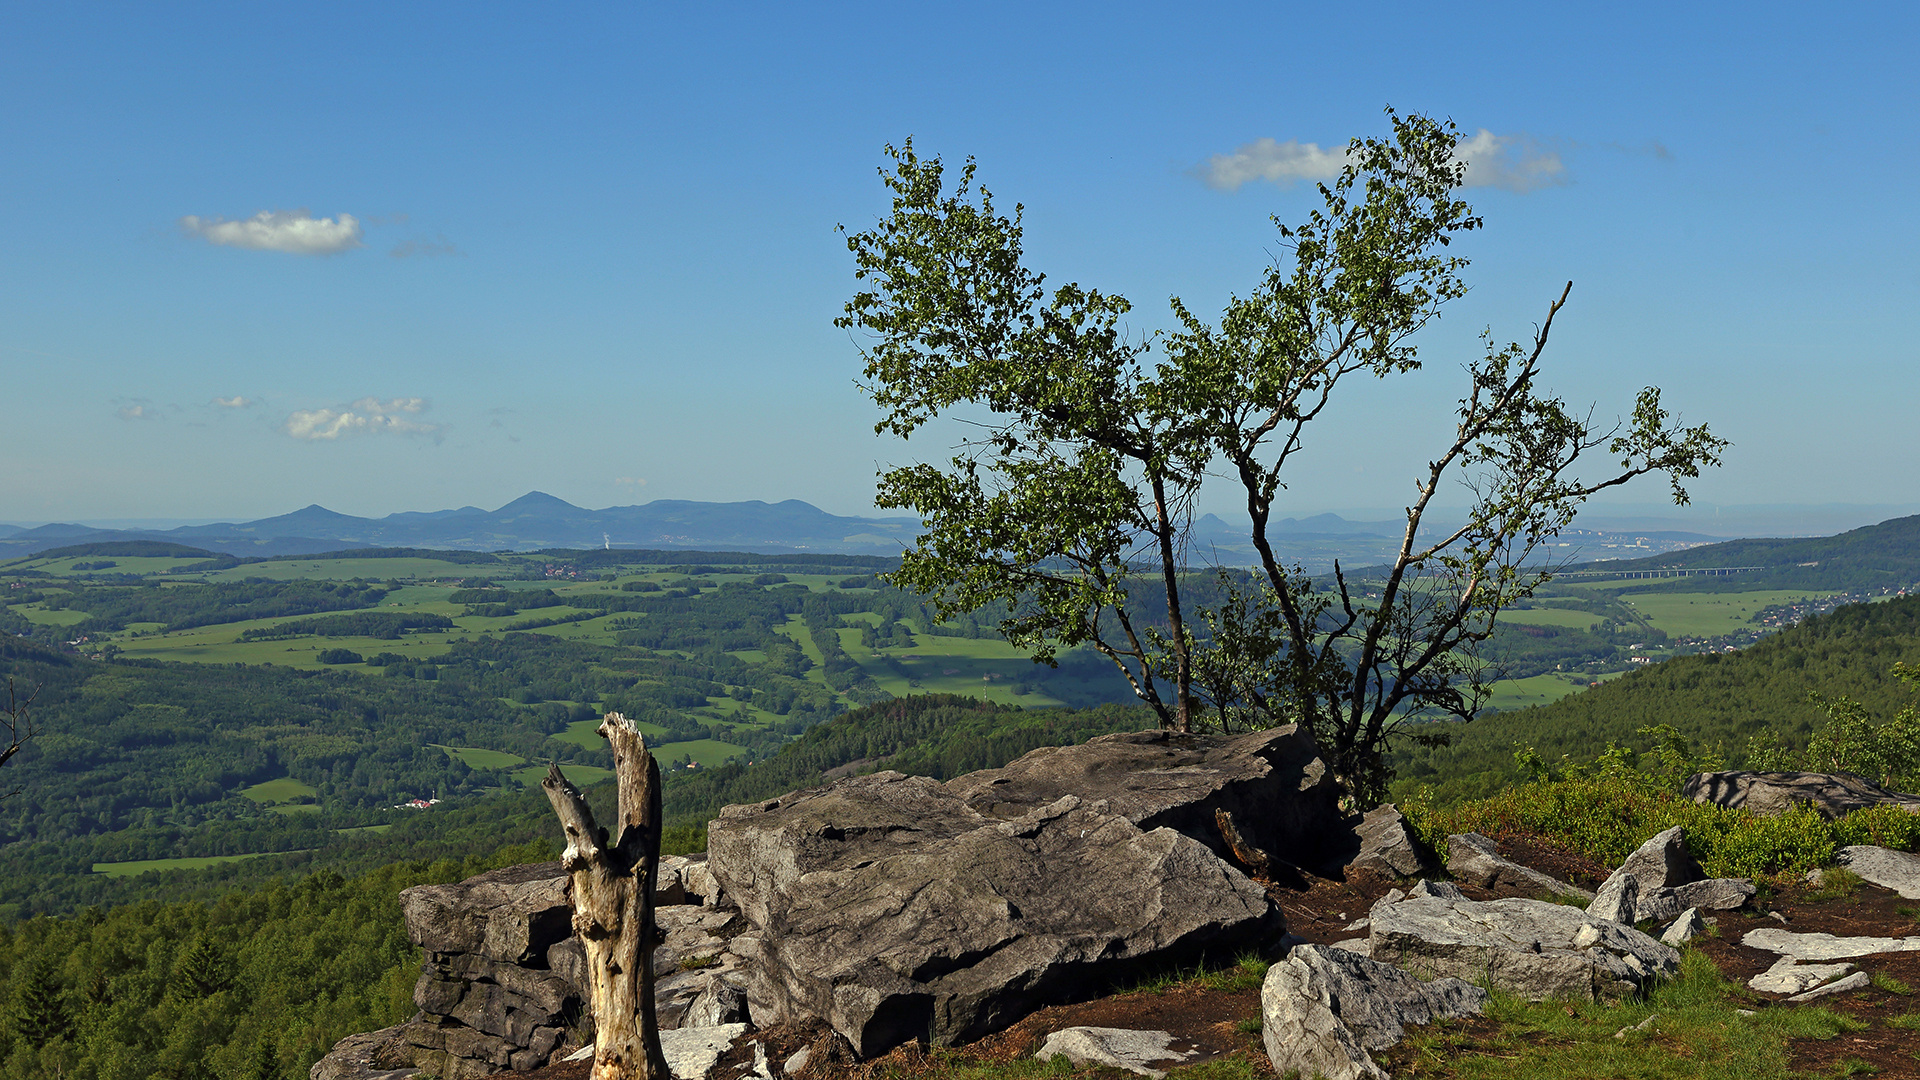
(1322, 1010)
(1713, 894)
(1832, 794)
(1474, 859)
(899, 908)
(1530, 947)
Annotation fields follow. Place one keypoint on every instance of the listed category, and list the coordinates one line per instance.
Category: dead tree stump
(612, 891)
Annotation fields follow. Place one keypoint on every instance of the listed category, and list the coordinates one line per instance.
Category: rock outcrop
(1665, 881)
(899, 908)
(1530, 947)
(1134, 1051)
(1832, 794)
(1322, 1010)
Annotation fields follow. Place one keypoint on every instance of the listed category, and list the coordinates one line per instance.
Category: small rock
(585, 1053)
(1388, 846)
(1357, 924)
(1644, 1025)
(1856, 981)
(1684, 929)
(1888, 869)
(1359, 946)
(719, 1003)
(1446, 890)
(797, 1064)
(1746, 1012)
(1322, 1010)
(1776, 916)
(1816, 877)
(1713, 894)
(1662, 862)
(1118, 1048)
(1617, 898)
(1788, 977)
(1472, 857)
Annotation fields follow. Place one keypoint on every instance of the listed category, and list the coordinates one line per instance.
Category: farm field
(278, 791)
(1509, 694)
(1708, 614)
(201, 862)
(1538, 616)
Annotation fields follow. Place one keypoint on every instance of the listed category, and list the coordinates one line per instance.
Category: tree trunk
(612, 891)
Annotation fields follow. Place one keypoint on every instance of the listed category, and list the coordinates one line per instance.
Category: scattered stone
(1388, 846)
(1684, 929)
(898, 908)
(1888, 869)
(1746, 1012)
(691, 1051)
(1473, 858)
(1524, 946)
(1118, 1048)
(797, 1064)
(1777, 917)
(1767, 794)
(1856, 981)
(1359, 945)
(1824, 946)
(1816, 877)
(1787, 976)
(1643, 1026)
(1322, 1010)
(1617, 898)
(1445, 890)
(1357, 924)
(585, 1053)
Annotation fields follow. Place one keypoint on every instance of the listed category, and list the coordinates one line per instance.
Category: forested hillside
(1715, 699)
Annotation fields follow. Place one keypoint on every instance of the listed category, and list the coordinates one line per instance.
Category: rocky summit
(899, 908)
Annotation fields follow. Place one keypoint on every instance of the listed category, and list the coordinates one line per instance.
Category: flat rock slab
(898, 908)
(1529, 947)
(1884, 867)
(1859, 980)
(1323, 1010)
(1767, 794)
(1789, 977)
(1474, 858)
(511, 915)
(1713, 894)
(691, 1051)
(1118, 1048)
(1799, 946)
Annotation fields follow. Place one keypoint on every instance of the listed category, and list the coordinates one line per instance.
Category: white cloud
(632, 483)
(367, 415)
(137, 412)
(1279, 163)
(296, 232)
(1513, 162)
(234, 402)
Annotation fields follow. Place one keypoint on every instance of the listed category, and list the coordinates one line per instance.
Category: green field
(985, 668)
(122, 564)
(1707, 614)
(141, 866)
(1541, 689)
(346, 569)
(586, 733)
(34, 613)
(708, 752)
(1563, 617)
(278, 791)
(581, 775)
(474, 757)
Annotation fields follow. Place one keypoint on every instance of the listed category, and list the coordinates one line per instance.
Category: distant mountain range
(537, 520)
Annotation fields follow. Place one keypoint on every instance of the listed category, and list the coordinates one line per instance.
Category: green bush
(338, 656)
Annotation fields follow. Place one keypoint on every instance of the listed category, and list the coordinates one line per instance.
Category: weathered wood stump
(612, 891)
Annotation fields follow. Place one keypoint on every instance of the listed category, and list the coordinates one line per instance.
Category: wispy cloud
(437, 247)
(365, 416)
(138, 412)
(1513, 162)
(631, 483)
(295, 232)
(235, 402)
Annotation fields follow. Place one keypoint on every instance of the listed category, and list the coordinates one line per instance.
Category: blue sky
(592, 248)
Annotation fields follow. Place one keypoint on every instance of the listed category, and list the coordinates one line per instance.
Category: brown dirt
(1208, 1020)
